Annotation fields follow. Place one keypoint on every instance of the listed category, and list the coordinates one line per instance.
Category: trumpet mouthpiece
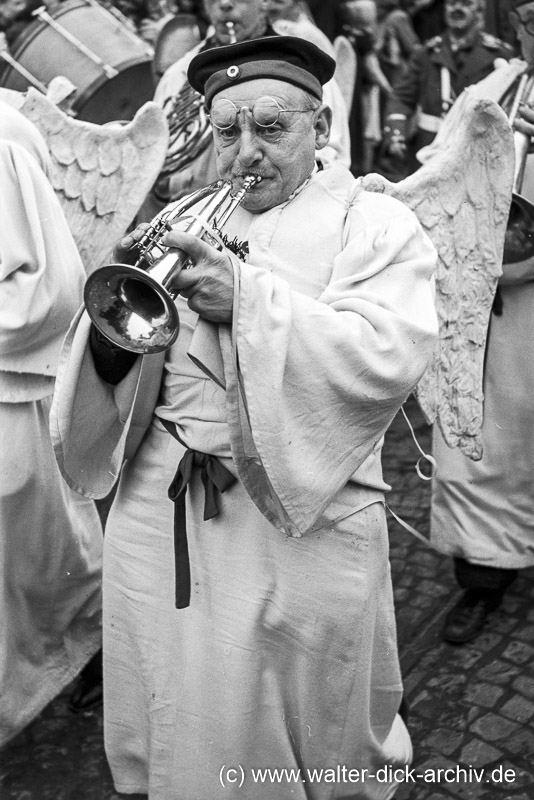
(230, 30)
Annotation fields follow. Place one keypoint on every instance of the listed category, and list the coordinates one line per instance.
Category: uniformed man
(436, 74)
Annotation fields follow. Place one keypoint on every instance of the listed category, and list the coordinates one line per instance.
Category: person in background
(436, 74)
(190, 162)
(483, 511)
(291, 18)
(50, 537)
(364, 122)
(396, 39)
(261, 633)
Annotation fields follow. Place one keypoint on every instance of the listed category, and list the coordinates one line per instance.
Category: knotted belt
(215, 478)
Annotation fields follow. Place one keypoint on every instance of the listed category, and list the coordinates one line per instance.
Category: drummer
(190, 161)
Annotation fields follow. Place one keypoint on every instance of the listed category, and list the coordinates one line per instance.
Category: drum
(108, 63)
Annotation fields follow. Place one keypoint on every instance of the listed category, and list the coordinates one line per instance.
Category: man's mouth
(259, 178)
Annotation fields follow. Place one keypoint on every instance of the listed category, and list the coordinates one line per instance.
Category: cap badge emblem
(233, 72)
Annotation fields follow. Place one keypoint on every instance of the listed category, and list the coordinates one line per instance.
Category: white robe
(287, 654)
(483, 511)
(50, 538)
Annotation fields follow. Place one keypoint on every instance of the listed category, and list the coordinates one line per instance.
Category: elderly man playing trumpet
(483, 512)
(265, 418)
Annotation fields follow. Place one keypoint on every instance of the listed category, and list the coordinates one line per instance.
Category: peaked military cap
(284, 58)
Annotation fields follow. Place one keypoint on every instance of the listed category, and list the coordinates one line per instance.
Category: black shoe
(87, 693)
(466, 619)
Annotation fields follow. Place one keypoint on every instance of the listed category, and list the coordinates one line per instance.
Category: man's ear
(323, 124)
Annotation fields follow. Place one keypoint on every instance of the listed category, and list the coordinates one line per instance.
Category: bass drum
(108, 63)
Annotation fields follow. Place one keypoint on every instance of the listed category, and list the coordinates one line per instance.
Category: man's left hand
(209, 285)
(524, 122)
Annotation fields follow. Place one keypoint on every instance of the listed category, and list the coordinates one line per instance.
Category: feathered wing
(461, 196)
(102, 173)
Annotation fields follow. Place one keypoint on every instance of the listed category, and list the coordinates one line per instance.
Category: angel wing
(461, 196)
(102, 173)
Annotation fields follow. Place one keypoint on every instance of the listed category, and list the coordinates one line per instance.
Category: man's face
(247, 16)
(284, 154)
(461, 15)
(525, 14)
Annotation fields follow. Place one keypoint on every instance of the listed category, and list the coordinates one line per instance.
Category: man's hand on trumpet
(125, 251)
(209, 286)
(524, 121)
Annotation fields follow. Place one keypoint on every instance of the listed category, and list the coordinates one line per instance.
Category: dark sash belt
(215, 478)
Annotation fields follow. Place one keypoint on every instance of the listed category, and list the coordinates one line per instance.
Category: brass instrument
(519, 236)
(133, 306)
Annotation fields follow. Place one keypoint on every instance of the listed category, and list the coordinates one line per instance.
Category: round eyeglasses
(265, 112)
(516, 21)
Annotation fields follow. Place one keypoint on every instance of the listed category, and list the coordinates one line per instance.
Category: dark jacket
(421, 84)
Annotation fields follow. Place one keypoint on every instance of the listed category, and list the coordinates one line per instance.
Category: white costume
(483, 511)
(50, 538)
(286, 656)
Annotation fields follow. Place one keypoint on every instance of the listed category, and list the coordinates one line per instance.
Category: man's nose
(226, 5)
(249, 147)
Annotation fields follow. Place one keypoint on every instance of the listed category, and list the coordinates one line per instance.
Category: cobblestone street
(470, 706)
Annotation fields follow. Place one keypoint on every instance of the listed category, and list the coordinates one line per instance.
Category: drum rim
(90, 90)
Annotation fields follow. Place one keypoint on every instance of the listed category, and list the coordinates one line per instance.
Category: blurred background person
(190, 161)
(436, 74)
(396, 39)
(292, 18)
(361, 28)
(50, 538)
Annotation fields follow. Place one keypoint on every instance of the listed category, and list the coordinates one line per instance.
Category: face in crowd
(461, 16)
(523, 21)
(282, 153)
(248, 17)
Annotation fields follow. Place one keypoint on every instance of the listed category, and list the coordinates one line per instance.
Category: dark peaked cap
(284, 58)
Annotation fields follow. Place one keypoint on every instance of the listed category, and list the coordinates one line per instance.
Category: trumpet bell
(131, 309)
(519, 236)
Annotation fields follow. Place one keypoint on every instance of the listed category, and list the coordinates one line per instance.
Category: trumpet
(133, 306)
(519, 235)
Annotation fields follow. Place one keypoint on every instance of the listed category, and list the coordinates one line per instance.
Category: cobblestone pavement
(471, 707)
